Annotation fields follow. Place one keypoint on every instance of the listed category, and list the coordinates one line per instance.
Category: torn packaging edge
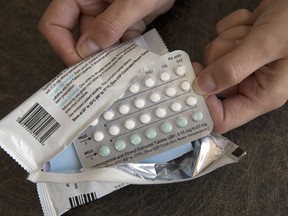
(58, 198)
(21, 141)
(220, 152)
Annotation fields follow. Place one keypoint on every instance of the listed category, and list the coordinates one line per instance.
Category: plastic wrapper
(60, 192)
(48, 121)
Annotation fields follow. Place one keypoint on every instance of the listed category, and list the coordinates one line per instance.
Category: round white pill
(98, 136)
(191, 101)
(180, 70)
(129, 124)
(176, 107)
(94, 123)
(185, 85)
(114, 130)
(139, 103)
(104, 151)
(170, 91)
(165, 76)
(124, 108)
(108, 115)
(149, 82)
(134, 88)
(160, 112)
(155, 97)
(145, 118)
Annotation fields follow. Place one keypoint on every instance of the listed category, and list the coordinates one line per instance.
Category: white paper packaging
(51, 119)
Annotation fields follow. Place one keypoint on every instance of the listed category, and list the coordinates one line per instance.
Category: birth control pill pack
(158, 112)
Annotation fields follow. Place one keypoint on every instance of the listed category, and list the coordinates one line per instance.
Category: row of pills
(155, 97)
(145, 118)
(150, 133)
(164, 76)
(169, 91)
(159, 112)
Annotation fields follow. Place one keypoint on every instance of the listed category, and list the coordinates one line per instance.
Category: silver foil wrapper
(208, 154)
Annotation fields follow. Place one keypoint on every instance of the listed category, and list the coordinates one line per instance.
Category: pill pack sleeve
(208, 154)
(51, 119)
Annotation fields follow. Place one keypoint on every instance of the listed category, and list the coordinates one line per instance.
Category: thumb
(254, 52)
(108, 27)
(266, 42)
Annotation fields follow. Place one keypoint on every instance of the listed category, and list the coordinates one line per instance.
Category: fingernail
(204, 85)
(88, 48)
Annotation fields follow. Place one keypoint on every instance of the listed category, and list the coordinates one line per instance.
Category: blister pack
(158, 113)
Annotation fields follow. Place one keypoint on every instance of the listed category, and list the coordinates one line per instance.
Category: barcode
(82, 199)
(38, 122)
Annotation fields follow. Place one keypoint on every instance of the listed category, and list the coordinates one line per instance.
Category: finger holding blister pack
(158, 112)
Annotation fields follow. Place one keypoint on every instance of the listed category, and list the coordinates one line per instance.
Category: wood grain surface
(258, 185)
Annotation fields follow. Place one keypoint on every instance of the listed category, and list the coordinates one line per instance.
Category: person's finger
(265, 43)
(260, 93)
(261, 7)
(237, 18)
(58, 21)
(56, 27)
(134, 31)
(215, 51)
(109, 26)
(225, 43)
(84, 22)
(139, 27)
(234, 33)
(197, 68)
(255, 50)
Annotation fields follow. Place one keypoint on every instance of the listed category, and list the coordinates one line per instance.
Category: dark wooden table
(258, 185)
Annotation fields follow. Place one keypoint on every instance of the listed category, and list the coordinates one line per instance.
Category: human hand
(247, 64)
(102, 23)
